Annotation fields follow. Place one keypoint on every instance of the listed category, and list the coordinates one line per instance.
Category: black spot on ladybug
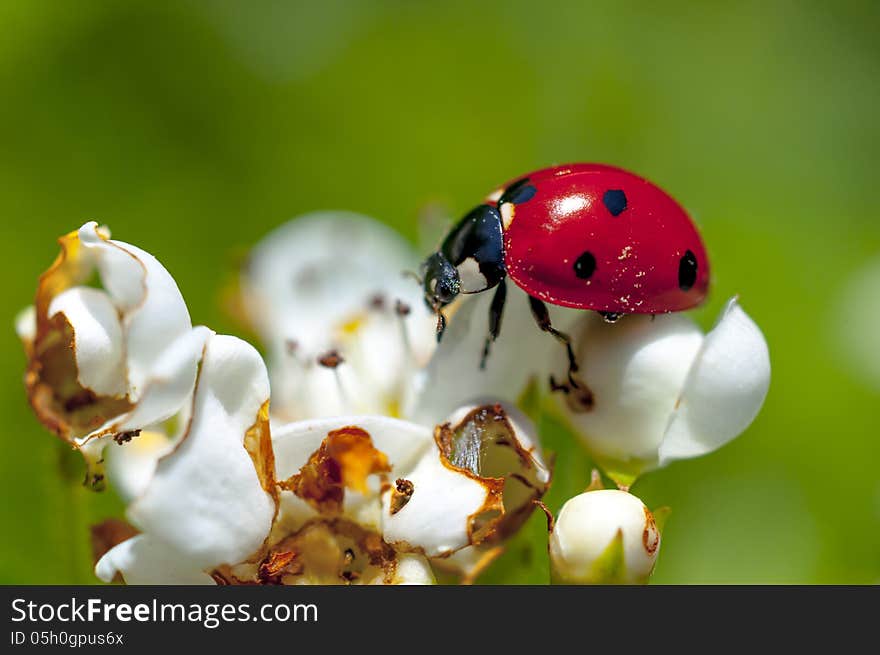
(518, 192)
(585, 265)
(615, 201)
(523, 194)
(687, 271)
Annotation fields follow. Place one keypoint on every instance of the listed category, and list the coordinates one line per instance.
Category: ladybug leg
(496, 311)
(542, 318)
(580, 398)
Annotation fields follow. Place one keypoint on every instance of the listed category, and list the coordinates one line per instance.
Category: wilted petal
(143, 560)
(477, 483)
(724, 390)
(206, 500)
(95, 352)
(333, 551)
(496, 440)
(401, 443)
(470, 562)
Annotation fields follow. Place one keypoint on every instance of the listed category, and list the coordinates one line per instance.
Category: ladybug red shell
(587, 236)
(597, 237)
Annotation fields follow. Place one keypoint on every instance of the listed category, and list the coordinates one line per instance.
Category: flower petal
(412, 569)
(312, 273)
(309, 291)
(98, 342)
(635, 369)
(170, 383)
(206, 500)
(92, 351)
(522, 351)
(495, 440)
(444, 510)
(402, 442)
(724, 390)
(130, 466)
(143, 560)
(474, 485)
(154, 313)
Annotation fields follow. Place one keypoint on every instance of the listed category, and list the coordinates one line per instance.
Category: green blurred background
(194, 128)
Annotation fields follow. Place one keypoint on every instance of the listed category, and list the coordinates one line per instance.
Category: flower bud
(604, 537)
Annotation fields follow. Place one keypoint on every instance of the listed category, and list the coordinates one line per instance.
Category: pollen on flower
(352, 325)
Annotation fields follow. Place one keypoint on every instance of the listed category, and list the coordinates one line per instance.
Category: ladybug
(588, 236)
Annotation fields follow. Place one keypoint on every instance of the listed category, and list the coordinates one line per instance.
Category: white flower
(107, 362)
(210, 500)
(662, 390)
(416, 491)
(363, 499)
(194, 457)
(333, 283)
(605, 536)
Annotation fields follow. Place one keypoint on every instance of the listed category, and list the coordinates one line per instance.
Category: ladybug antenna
(418, 278)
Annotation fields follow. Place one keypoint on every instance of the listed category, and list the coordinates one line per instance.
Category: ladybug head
(441, 281)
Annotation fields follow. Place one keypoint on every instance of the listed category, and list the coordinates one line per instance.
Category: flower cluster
(384, 456)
